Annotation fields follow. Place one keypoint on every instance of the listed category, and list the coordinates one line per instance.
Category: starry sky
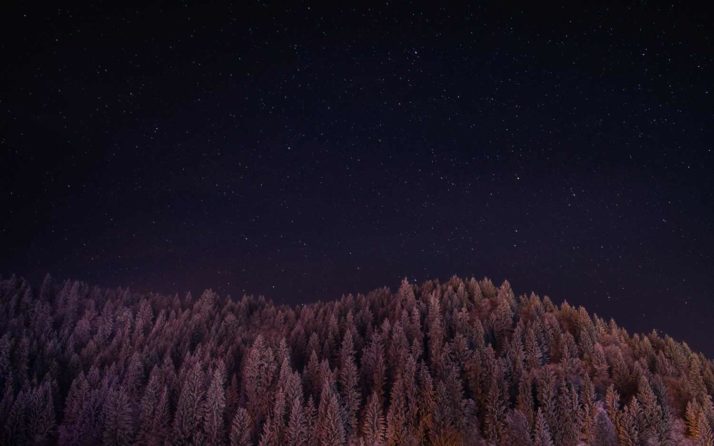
(302, 152)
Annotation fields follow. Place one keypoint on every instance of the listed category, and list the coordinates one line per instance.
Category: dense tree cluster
(461, 362)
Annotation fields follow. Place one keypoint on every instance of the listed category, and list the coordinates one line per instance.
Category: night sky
(304, 152)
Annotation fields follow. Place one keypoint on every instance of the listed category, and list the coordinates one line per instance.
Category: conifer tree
(494, 412)
(349, 382)
(189, 410)
(627, 426)
(396, 415)
(214, 406)
(604, 431)
(269, 435)
(118, 421)
(706, 436)
(541, 434)
(435, 333)
(258, 376)
(42, 420)
(650, 415)
(518, 431)
(296, 432)
(693, 419)
(429, 371)
(331, 431)
(241, 428)
(373, 425)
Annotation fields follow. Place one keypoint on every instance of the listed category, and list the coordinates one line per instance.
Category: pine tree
(241, 428)
(13, 428)
(349, 381)
(258, 375)
(373, 365)
(427, 401)
(313, 429)
(214, 406)
(278, 415)
(626, 423)
(154, 412)
(118, 422)
(296, 432)
(42, 417)
(589, 410)
(545, 386)
(70, 430)
(502, 316)
(312, 376)
(161, 422)
(518, 431)
(440, 379)
(604, 431)
(524, 400)
(147, 407)
(396, 415)
(331, 431)
(650, 415)
(435, 333)
(133, 377)
(269, 436)
(612, 403)
(567, 430)
(541, 435)
(692, 418)
(189, 411)
(373, 425)
(706, 436)
(494, 412)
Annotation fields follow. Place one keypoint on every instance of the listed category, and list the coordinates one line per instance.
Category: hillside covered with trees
(457, 363)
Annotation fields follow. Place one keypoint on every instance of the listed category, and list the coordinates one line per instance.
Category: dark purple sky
(302, 152)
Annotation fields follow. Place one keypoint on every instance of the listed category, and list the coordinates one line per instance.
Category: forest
(459, 362)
